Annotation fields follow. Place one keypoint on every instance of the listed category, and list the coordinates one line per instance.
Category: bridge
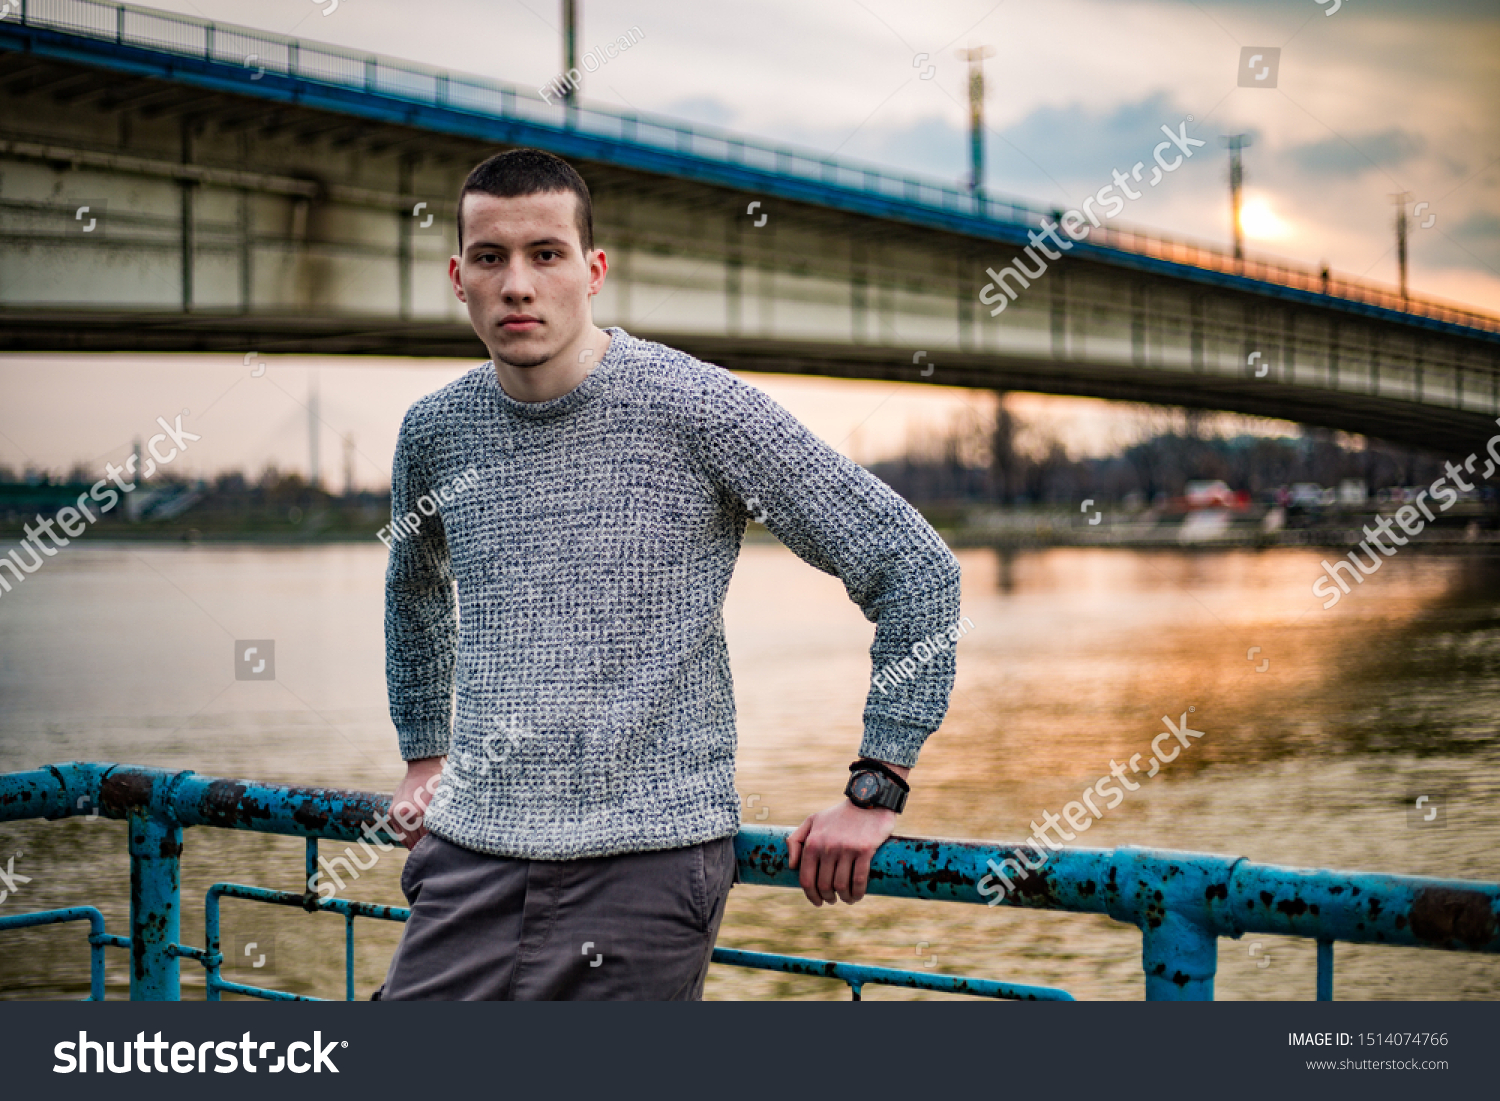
(172, 184)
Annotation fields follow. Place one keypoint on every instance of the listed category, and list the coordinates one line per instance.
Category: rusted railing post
(155, 907)
(1180, 959)
(143, 797)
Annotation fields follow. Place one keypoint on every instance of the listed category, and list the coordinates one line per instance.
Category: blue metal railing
(1181, 902)
(654, 142)
(98, 938)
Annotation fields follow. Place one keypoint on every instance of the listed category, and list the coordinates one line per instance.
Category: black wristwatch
(872, 784)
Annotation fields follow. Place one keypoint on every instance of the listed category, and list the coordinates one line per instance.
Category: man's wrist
(893, 815)
(877, 785)
(900, 770)
(895, 773)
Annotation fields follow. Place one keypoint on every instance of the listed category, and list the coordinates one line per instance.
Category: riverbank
(1468, 524)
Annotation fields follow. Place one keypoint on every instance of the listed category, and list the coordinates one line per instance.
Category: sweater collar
(591, 387)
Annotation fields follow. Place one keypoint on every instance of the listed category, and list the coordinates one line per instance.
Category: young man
(566, 518)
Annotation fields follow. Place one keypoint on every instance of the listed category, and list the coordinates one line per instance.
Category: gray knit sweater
(555, 591)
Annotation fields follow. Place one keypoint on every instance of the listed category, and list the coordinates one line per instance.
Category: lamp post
(1401, 198)
(570, 49)
(975, 56)
(1236, 142)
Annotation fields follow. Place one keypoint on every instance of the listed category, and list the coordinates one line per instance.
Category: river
(1314, 748)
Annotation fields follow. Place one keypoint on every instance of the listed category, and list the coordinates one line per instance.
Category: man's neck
(559, 375)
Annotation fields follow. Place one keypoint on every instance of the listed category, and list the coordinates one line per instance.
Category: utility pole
(349, 465)
(975, 56)
(313, 476)
(570, 50)
(1402, 198)
(1236, 142)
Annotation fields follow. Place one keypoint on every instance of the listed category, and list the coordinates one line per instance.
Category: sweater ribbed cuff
(892, 740)
(423, 740)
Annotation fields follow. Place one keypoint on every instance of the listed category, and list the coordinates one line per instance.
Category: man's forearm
(421, 614)
(844, 521)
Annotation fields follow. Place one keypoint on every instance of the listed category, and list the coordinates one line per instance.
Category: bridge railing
(127, 25)
(1286, 273)
(1181, 902)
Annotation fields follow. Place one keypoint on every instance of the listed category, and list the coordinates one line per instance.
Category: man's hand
(834, 847)
(409, 804)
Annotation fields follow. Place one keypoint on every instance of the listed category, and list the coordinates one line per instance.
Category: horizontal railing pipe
(1181, 901)
(98, 938)
(115, 791)
(1226, 895)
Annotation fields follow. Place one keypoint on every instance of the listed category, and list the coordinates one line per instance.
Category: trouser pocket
(411, 882)
(716, 874)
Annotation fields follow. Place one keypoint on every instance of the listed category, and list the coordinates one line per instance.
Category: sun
(1258, 220)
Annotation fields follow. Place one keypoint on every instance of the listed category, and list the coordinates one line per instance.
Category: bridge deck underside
(228, 224)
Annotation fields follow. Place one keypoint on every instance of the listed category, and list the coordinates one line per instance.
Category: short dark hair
(519, 172)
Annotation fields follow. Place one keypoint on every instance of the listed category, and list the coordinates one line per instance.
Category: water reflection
(125, 653)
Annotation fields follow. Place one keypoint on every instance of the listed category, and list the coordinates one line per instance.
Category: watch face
(865, 787)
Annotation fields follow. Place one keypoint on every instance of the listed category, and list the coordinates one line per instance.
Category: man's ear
(453, 277)
(598, 268)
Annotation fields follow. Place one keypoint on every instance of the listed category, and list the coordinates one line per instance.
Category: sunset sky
(1376, 98)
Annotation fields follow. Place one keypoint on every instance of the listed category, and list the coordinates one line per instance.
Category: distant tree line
(1005, 460)
(228, 503)
(998, 459)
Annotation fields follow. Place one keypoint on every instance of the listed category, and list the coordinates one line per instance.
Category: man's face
(524, 275)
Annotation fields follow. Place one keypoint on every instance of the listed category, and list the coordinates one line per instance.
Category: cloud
(703, 109)
(1475, 239)
(1337, 157)
(1076, 148)
(1479, 10)
(1052, 154)
(1480, 226)
(932, 148)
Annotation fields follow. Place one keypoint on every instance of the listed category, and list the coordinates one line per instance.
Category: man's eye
(486, 257)
(548, 253)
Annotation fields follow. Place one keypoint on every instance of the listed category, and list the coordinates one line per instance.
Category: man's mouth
(519, 323)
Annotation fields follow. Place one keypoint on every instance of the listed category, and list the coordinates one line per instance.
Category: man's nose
(517, 282)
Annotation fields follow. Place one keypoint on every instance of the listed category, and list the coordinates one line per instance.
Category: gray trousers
(492, 928)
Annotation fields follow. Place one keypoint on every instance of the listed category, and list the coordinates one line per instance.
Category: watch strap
(888, 795)
(870, 764)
